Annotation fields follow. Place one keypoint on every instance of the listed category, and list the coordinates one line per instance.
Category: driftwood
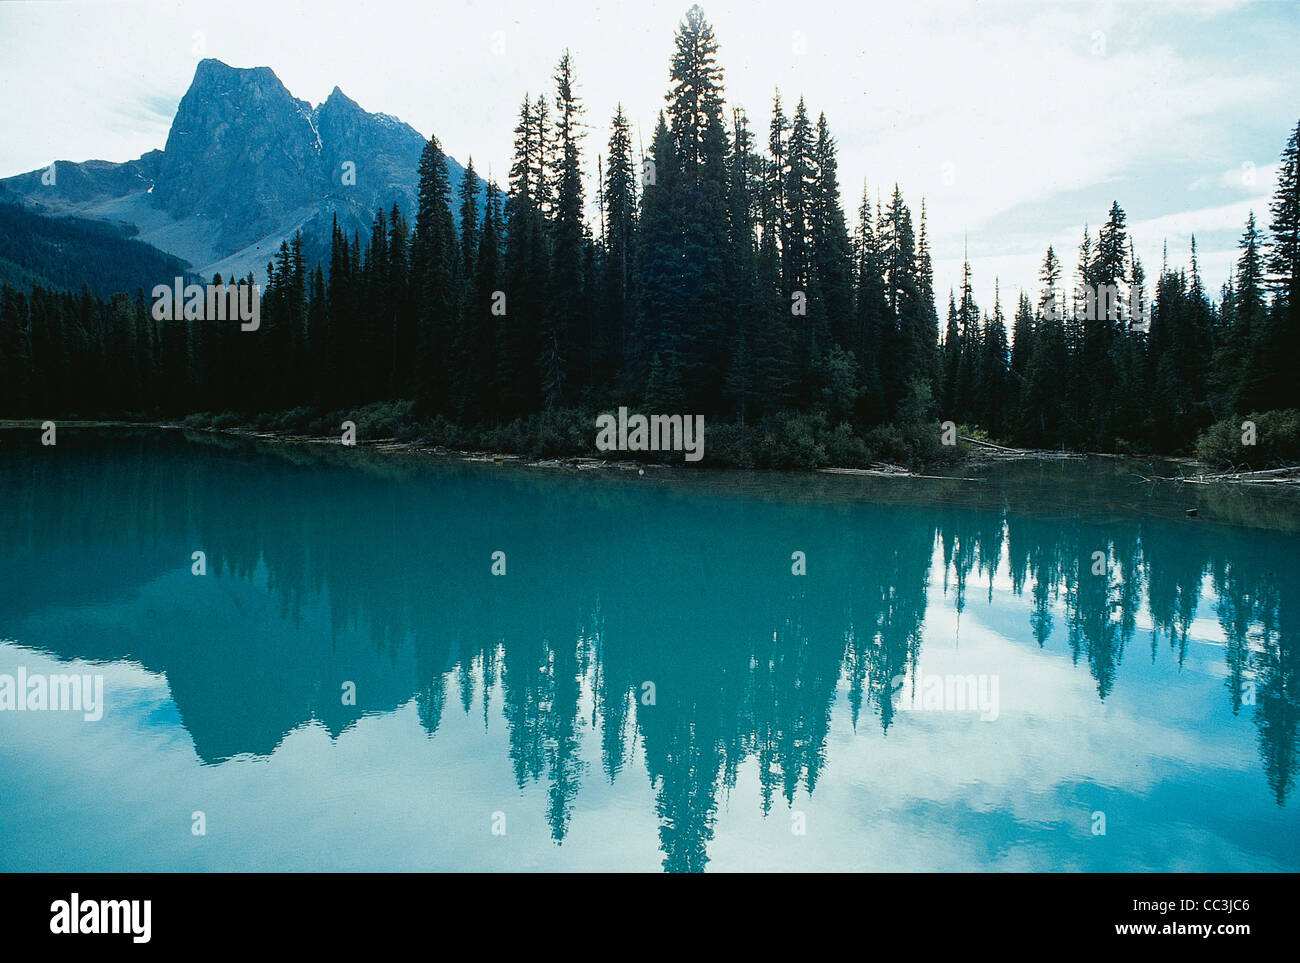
(901, 473)
(989, 444)
(1267, 473)
(1269, 476)
(1026, 454)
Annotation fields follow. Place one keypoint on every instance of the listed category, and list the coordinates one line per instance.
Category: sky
(1018, 123)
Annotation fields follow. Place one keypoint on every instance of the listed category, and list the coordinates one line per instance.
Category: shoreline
(976, 454)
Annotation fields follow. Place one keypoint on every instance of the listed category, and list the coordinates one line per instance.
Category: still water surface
(649, 686)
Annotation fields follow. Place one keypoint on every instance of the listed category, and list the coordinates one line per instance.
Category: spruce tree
(1247, 343)
(698, 200)
(1281, 388)
(525, 272)
(565, 361)
(871, 315)
(433, 276)
(993, 368)
(832, 250)
(666, 284)
(744, 181)
(470, 185)
(619, 201)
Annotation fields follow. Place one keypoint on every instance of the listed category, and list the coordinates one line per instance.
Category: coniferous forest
(720, 276)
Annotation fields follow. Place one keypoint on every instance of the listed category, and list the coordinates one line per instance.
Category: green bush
(844, 449)
(382, 419)
(1277, 441)
(565, 432)
(732, 446)
(296, 420)
(789, 440)
(976, 433)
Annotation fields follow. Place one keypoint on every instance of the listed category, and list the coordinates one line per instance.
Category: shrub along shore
(789, 441)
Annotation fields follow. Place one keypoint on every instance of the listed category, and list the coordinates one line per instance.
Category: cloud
(1246, 178)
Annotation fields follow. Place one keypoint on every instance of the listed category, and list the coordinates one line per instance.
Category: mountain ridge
(245, 165)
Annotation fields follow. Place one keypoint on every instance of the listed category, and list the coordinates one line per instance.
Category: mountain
(246, 164)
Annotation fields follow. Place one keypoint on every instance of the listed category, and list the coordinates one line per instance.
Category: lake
(1051, 667)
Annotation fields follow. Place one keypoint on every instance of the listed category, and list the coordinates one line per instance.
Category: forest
(719, 276)
(67, 252)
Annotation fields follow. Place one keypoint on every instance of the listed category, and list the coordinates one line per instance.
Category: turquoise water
(648, 686)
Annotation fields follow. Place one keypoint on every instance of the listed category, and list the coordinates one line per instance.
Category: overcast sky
(1017, 122)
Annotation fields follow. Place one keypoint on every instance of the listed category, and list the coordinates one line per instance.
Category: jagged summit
(210, 67)
(338, 97)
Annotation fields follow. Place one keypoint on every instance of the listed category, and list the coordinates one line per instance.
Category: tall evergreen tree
(565, 361)
(1281, 388)
(832, 253)
(744, 182)
(434, 258)
(1246, 343)
(698, 201)
(620, 231)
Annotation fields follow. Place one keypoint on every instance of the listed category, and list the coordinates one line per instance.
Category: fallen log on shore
(990, 450)
(882, 473)
(1289, 475)
(989, 444)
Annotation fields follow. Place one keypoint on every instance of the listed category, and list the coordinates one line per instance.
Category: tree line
(719, 277)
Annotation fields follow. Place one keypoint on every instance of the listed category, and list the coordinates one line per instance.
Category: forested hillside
(67, 252)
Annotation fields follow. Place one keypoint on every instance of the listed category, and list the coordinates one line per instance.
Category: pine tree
(526, 273)
(373, 346)
(1043, 410)
(774, 339)
(470, 185)
(968, 389)
(620, 231)
(566, 362)
(1022, 347)
(927, 313)
(1247, 344)
(950, 361)
(903, 361)
(1081, 383)
(832, 255)
(795, 254)
(1100, 348)
(871, 316)
(744, 180)
(433, 275)
(698, 200)
(1051, 296)
(482, 398)
(665, 282)
(398, 310)
(1281, 389)
(993, 368)
(338, 329)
